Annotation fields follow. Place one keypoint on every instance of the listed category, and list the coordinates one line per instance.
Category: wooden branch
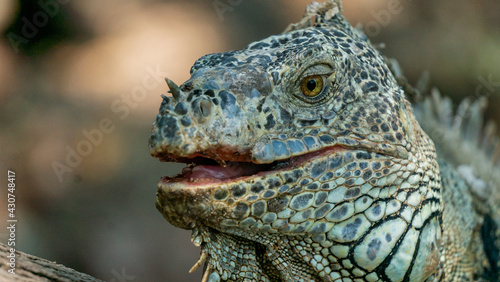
(31, 268)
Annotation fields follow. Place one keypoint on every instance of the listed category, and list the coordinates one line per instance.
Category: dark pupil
(311, 84)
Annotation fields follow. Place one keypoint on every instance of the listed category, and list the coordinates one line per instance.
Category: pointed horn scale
(174, 89)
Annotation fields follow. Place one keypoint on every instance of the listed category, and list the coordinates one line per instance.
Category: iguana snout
(210, 115)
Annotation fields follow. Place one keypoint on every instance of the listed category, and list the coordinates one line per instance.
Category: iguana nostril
(205, 107)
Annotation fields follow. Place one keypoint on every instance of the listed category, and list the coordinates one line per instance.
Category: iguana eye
(312, 85)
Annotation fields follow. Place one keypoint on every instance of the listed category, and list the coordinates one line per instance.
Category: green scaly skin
(343, 184)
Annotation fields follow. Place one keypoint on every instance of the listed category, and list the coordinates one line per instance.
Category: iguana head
(305, 134)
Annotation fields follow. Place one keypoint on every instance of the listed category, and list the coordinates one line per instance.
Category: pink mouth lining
(202, 174)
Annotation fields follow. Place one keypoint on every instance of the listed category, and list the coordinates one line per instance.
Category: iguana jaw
(188, 202)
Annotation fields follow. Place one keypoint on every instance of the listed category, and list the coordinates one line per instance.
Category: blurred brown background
(69, 67)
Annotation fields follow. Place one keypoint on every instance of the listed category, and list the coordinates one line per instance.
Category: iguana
(307, 162)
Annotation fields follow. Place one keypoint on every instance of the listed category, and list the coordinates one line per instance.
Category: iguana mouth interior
(203, 170)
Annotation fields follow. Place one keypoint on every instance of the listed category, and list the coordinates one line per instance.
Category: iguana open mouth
(203, 171)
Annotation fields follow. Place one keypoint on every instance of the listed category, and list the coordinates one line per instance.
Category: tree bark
(31, 268)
